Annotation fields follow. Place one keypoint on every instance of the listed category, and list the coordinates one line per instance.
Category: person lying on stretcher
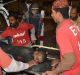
(43, 63)
(38, 64)
(9, 64)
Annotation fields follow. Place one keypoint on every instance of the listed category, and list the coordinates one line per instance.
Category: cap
(60, 4)
(34, 6)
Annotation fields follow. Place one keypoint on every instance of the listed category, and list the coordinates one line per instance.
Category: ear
(17, 20)
(59, 14)
(53, 11)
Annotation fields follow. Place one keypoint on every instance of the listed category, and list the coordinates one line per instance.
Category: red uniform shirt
(20, 36)
(67, 36)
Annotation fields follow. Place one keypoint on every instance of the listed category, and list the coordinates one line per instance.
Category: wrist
(29, 64)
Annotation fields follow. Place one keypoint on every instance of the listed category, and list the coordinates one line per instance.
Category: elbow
(70, 63)
(69, 60)
(73, 62)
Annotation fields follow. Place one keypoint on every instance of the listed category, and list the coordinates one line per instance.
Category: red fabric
(5, 60)
(68, 40)
(20, 35)
(60, 4)
(0, 71)
(41, 38)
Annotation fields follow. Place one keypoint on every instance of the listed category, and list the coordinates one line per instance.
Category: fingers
(32, 62)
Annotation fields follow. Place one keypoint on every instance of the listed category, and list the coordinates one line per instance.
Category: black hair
(15, 15)
(75, 7)
(64, 11)
(43, 52)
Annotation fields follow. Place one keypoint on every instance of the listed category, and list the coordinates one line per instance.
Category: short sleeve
(6, 33)
(64, 43)
(28, 26)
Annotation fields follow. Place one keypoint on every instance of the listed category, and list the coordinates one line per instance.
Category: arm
(33, 37)
(16, 66)
(11, 65)
(32, 30)
(66, 64)
(5, 34)
(67, 51)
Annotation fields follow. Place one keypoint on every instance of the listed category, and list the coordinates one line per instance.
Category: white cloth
(16, 66)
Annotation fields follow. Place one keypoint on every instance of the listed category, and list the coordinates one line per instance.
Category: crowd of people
(74, 15)
(25, 33)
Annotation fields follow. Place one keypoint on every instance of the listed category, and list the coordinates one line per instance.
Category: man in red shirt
(9, 64)
(19, 32)
(68, 39)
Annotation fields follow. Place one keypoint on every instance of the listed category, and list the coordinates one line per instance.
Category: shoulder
(68, 24)
(65, 27)
(24, 23)
(8, 28)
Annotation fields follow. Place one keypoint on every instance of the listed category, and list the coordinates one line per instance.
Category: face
(34, 11)
(73, 14)
(38, 56)
(13, 22)
(54, 15)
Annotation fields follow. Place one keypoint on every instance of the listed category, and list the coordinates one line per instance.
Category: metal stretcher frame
(51, 48)
(39, 46)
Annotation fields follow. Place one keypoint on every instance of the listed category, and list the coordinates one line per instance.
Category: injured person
(43, 63)
(37, 56)
(9, 64)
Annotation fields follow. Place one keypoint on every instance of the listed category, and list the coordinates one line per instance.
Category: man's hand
(33, 42)
(31, 63)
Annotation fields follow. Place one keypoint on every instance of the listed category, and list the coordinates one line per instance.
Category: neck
(60, 21)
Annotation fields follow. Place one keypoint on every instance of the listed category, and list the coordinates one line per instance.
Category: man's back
(68, 39)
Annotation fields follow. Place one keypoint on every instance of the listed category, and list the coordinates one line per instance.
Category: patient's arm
(9, 64)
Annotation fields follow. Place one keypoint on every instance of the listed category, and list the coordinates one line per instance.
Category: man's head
(13, 20)
(60, 10)
(34, 8)
(73, 13)
(39, 56)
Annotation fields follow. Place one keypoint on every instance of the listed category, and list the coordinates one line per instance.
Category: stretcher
(25, 54)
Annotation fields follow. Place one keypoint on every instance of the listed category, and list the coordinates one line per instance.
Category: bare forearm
(33, 37)
(65, 64)
(9, 64)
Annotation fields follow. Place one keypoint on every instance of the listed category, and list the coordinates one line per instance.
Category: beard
(74, 18)
(14, 25)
